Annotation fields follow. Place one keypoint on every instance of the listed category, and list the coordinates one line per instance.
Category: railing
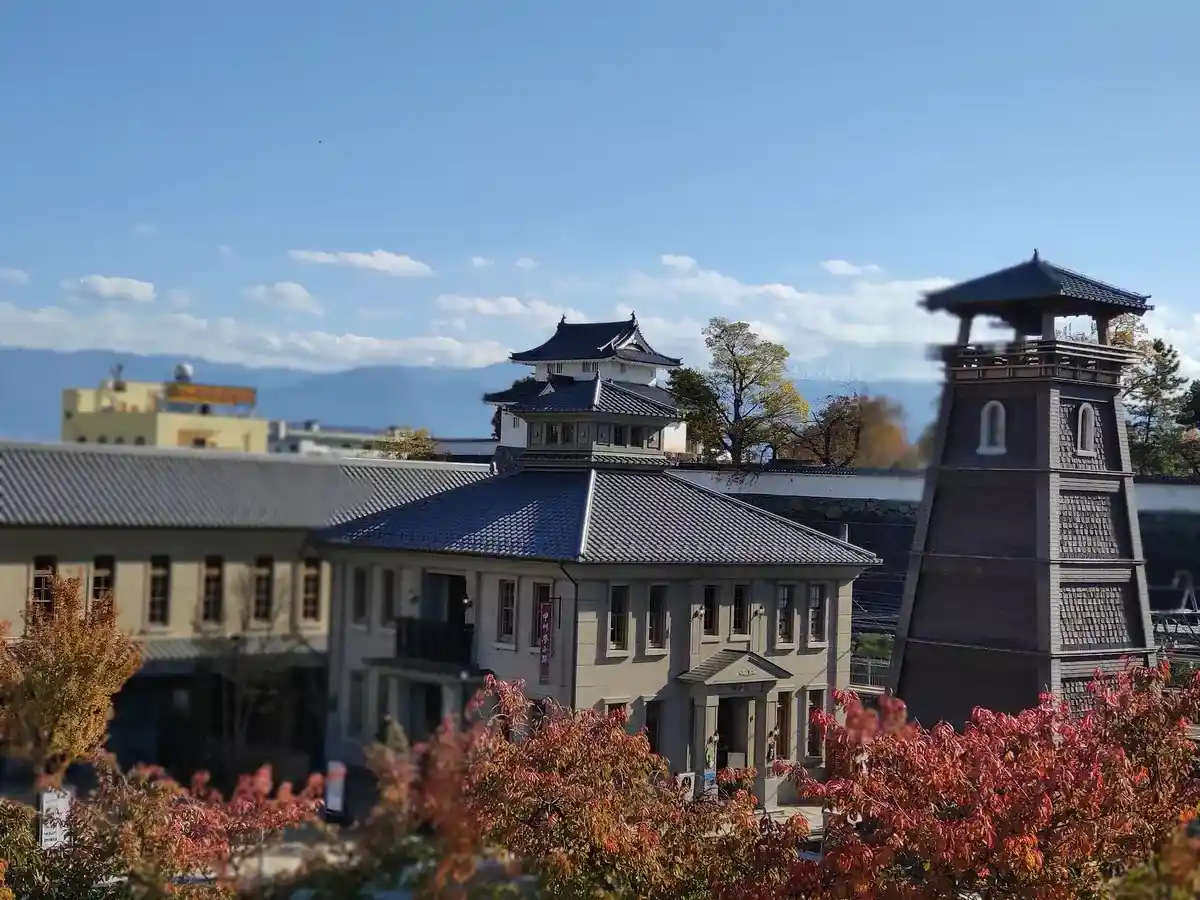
(437, 642)
(1038, 358)
(868, 672)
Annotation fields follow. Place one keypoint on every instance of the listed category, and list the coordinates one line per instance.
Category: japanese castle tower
(1026, 572)
(613, 352)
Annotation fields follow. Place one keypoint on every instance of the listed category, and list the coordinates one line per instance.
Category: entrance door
(733, 726)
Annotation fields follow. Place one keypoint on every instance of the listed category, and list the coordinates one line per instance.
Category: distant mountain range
(446, 401)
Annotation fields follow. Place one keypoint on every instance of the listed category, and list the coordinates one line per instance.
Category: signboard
(335, 787)
(212, 394)
(545, 640)
(687, 784)
(52, 825)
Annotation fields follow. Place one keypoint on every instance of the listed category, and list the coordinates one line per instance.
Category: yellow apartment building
(178, 413)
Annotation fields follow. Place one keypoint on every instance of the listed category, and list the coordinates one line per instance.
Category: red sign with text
(545, 640)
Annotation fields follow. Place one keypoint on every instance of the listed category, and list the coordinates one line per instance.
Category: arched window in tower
(1085, 430)
(991, 429)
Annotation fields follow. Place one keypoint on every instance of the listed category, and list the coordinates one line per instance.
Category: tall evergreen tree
(1154, 402)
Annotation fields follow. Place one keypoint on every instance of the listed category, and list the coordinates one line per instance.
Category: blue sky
(217, 177)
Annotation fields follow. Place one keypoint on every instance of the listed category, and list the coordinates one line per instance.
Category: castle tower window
(1085, 431)
(992, 427)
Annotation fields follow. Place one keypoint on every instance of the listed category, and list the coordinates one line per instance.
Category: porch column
(451, 701)
(704, 725)
(403, 702)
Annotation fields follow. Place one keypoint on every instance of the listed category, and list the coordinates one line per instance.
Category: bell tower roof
(1021, 294)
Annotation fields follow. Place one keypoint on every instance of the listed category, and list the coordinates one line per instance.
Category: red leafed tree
(593, 812)
(1044, 804)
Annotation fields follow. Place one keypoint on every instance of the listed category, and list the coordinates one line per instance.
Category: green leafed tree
(1154, 402)
(744, 403)
(498, 414)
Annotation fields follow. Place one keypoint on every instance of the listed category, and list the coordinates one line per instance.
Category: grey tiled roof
(76, 485)
(631, 517)
(522, 390)
(596, 340)
(1035, 279)
(599, 395)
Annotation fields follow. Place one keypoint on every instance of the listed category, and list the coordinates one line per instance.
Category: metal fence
(869, 672)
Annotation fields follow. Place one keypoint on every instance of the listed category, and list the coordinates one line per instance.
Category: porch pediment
(735, 667)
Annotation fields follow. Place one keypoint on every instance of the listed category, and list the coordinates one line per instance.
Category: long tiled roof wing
(522, 390)
(72, 485)
(631, 517)
(600, 395)
(531, 515)
(1035, 279)
(597, 340)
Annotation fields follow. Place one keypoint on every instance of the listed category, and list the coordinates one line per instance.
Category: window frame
(653, 724)
(104, 578)
(158, 592)
(506, 639)
(212, 604)
(43, 571)
(811, 640)
(785, 615)
(1085, 430)
(263, 583)
(659, 647)
(360, 596)
(310, 589)
(813, 739)
(615, 648)
(741, 589)
(993, 432)
(784, 704)
(712, 633)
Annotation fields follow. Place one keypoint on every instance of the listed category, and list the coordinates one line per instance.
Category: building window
(1085, 441)
(102, 440)
(618, 438)
(783, 726)
(118, 440)
(568, 432)
(637, 436)
(388, 604)
(711, 608)
(506, 612)
(617, 709)
(555, 368)
(212, 606)
(81, 439)
(515, 422)
(199, 442)
(818, 613)
(653, 723)
(103, 574)
(554, 433)
(814, 744)
(310, 591)
(44, 570)
(591, 367)
(158, 611)
(357, 697)
(992, 429)
(785, 614)
(140, 441)
(541, 594)
(358, 603)
(618, 617)
(656, 617)
(741, 610)
(264, 589)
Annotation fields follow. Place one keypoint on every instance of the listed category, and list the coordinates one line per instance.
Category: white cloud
(678, 263)
(481, 262)
(286, 295)
(107, 287)
(537, 312)
(847, 269)
(456, 324)
(225, 250)
(179, 298)
(14, 276)
(525, 263)
(145, 228)
(227, 340)
(397, 264)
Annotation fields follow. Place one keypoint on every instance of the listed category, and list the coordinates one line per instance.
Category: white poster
(335, 786)
(52, 826)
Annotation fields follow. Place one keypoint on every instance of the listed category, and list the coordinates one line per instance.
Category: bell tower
(1026, 572)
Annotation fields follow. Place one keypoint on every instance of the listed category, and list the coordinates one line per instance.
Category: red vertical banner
(545, 640)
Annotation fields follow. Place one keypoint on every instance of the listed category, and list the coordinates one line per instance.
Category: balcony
(442, 644)
(869, 675)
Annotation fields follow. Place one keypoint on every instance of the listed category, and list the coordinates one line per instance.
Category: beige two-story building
(209, 561)
(602, 580)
